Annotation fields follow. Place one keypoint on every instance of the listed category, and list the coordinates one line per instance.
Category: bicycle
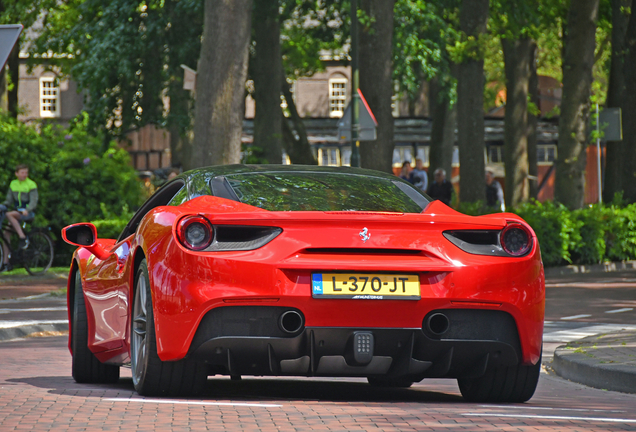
(37, 258)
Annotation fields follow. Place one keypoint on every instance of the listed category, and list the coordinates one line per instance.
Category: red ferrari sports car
(307, 271)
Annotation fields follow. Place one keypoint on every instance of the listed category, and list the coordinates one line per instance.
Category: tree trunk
(615, 151)
(3, 89)
(221, 74)
(376, 68)
(443, 118)
(517, 69)
(473, 20)
(533, 118)
(179, 121)
(267, 70)
(13, 66)
(629, 113)
(295, 137)
(578, 60)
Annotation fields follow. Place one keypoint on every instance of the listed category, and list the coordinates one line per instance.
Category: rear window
(322, 191)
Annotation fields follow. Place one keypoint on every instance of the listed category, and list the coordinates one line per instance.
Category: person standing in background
(405, 173)
(494, 192)
(441, 189)
(419, 177)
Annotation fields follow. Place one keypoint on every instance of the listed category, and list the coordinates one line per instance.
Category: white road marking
(580, 333)
(181, 402)
(21, 299)
(549, 408)
(546, 417)
(44, 309)
(620, 310)
(576, 317)
(12, 324)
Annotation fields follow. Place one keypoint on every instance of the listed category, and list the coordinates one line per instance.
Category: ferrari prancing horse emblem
(364, 234)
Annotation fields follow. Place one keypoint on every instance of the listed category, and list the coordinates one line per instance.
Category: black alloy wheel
(152, 376)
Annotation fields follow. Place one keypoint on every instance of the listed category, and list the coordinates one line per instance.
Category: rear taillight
(516, 239)
(195, 232)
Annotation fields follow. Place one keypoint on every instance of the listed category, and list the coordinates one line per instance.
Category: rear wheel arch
(70, 295)
(138, 257)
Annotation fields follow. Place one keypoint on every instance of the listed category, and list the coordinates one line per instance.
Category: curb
(20, 332)
(590, 268)
(585, 369)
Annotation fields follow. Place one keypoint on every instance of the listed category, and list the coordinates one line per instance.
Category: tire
(152, 376)
(381, 381)
(38, 257)
(86, 368)
(504, 384)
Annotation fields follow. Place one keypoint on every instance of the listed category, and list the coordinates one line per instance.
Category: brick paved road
(37, 393)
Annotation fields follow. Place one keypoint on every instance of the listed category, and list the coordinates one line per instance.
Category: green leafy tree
(375, 36)
(220, 93)
(617, 170)
(125, 56)
(423, 31)
(578, 61)
(77, 182)
(517, 27)
(23, 12)
(473, 20)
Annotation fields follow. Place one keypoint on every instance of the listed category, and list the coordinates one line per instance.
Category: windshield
(323, 191)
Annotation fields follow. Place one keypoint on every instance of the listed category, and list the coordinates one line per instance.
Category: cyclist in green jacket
(20, 204)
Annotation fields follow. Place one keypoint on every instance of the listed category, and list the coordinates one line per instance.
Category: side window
(199, 185)
(180, 197)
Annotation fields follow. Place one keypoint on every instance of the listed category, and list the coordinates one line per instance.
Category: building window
(546, 154)
(329, 156)
(49, 98)
(403, 154)
(495, 154)
(345, 157)
(337, 96)
(395, 105)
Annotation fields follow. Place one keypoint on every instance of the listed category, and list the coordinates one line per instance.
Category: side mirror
(84, 235)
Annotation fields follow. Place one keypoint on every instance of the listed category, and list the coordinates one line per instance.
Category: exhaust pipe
(291, 322)
(437, 324)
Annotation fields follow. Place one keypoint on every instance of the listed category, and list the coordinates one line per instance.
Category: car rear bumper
(253, 340)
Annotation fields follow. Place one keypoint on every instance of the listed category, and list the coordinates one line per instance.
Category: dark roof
(220, 170)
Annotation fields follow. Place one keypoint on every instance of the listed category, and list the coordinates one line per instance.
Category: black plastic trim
(475, 248)
(246, 340)
(241, 238)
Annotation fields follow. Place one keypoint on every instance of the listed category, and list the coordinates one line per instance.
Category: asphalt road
(37, 392)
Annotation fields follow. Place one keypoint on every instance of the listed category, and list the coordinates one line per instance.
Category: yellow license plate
(365, 286)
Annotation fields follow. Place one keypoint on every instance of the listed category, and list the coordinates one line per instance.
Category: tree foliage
(124, 54)
(76, 180)
(423, 31)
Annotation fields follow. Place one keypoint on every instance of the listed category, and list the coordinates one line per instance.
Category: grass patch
(61, 272)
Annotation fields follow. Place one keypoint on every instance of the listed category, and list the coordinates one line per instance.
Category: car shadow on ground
(222, 388)
(261, 389)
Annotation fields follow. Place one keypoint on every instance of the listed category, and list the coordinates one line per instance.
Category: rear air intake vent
(242, 238)
(477, 237)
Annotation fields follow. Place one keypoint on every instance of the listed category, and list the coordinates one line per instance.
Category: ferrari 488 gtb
(307, 271)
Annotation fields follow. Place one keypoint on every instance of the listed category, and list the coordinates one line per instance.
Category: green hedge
(594, 234)
(77, 181)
